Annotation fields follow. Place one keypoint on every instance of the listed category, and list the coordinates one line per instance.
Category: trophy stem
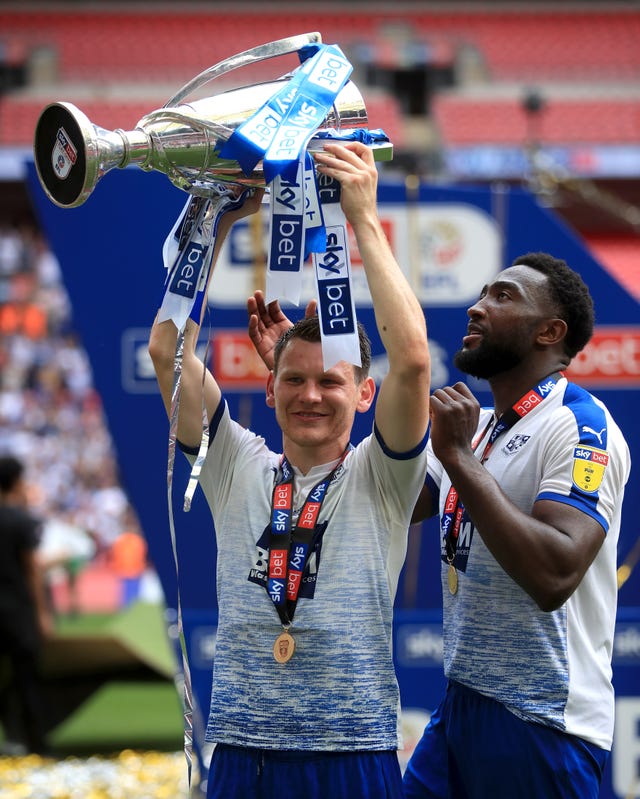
(136, 147)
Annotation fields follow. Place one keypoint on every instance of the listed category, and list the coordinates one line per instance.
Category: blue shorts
(474, 748)
(237, 772)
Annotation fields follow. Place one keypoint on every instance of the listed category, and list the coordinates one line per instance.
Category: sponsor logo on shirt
(588, 468)
(527, 403)
(259, 572)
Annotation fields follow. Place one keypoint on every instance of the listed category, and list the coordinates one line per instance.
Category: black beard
(487, 360)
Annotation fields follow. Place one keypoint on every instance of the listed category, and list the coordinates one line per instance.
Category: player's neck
(305, 458)
(507, 388)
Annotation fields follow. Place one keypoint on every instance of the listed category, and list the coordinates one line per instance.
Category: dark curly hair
(308, 329)
(570, 296)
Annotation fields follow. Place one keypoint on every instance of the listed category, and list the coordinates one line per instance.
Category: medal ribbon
(453, 508)
(289, 550)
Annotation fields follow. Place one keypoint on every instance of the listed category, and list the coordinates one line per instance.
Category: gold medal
(284, 647)
(452, 579)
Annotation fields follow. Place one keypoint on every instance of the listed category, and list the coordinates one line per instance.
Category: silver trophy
(181, 140)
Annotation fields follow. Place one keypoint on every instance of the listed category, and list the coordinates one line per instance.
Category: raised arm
(195, 377)
(402, 407)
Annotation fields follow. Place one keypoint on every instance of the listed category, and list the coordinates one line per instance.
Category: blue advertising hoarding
(450, 241)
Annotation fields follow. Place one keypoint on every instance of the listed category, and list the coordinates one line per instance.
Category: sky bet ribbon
(296, 229)
(336, 308)
(188, 256)
(278, 131)
(187, 253)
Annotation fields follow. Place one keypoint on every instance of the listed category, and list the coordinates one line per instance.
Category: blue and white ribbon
(188, 251)
(188, 257)
(279, 130)
(336, 308)
(296, 229)
(315, 232)
(364, 135)
(286, 238)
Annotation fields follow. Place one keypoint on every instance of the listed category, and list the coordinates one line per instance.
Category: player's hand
(454, 413)
(267, 323)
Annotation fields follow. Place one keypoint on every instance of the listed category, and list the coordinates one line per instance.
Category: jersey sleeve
(586, 460)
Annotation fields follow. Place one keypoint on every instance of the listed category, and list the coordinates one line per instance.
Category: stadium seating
(141, 47)
(141, 43)
(464, 121)
(116, 63)
(621, 256)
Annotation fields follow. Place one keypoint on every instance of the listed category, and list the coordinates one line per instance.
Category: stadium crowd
(51, 416)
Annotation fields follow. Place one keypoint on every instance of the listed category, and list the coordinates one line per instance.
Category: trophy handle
(270, 50)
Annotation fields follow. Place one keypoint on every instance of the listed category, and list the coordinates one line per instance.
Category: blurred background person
(25, 618)
(66, 548)
(128, 559)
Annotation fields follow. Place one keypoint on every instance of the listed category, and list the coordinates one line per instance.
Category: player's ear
(270, 395)
(367, 393)
(553, 331)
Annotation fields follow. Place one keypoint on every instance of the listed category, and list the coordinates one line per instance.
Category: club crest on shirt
(515, 443)
(588, 467)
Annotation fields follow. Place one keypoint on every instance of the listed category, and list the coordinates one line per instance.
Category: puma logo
(586, 429)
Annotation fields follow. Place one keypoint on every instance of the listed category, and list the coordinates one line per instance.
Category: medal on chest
(452, 579)
(290, 545)
(283, 647)
(452, 516)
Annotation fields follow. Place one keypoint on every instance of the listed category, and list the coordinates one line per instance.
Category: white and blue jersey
(339, 690)
(552, 668)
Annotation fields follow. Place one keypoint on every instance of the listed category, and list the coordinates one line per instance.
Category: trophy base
(64, 142)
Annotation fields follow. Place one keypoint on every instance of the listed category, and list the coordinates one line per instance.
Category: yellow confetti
(128, 775)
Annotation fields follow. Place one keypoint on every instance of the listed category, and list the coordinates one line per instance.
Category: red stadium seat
(101, 45)
(147, 44)
(464, 121)
(621, 257)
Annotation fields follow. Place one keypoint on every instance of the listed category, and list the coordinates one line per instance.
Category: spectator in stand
(50, 414)
(129, 560)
